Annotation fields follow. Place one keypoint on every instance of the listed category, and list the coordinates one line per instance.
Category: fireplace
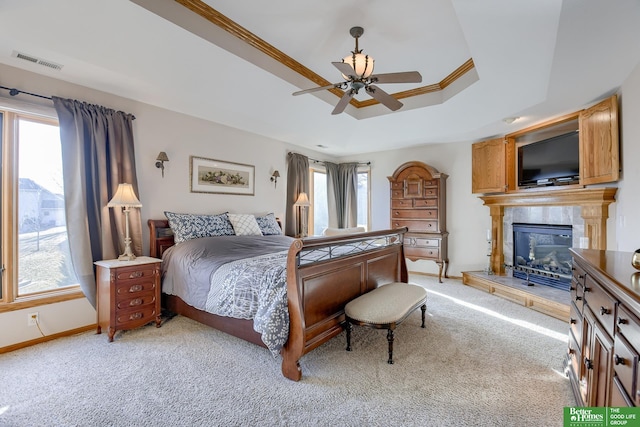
(541, 254)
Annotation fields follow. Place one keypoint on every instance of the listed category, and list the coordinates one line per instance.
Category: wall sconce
(274, 178)
(162, 157)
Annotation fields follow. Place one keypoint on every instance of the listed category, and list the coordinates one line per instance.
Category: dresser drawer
(415, 225)
(130, 289)
(401, 204)
(397, 185)
(425, 203)
(577, 293)
(421, 241)
(629, 326)
(135, 272)
(431, 192)
(574, 356)
(427, 253)
(601, 303)
(619, 397)
(575, 323)
(142, 315)
(578, 273)
(415, 213)
(625, 364)
(137, 300)
(397, 194)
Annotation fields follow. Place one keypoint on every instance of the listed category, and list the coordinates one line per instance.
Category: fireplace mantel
(594, 204)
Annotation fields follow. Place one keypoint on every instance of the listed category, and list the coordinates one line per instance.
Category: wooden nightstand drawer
(133, 273)
(431, 192)
(128, 288)
(134, 318)
(138, 300)
(421, 241)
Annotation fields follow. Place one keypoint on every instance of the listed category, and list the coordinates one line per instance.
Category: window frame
(13, 111)
(319, 168)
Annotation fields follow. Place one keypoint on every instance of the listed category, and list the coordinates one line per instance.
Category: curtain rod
(322, 161)
(14, 92)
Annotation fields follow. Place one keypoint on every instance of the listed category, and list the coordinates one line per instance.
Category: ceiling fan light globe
(361, 64)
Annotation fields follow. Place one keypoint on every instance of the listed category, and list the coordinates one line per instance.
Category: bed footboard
(324, 274)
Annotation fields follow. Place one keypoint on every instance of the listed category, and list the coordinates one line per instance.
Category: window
(35, 247)
(319, 213)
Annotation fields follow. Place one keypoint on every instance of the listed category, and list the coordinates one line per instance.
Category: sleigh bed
(321, 276)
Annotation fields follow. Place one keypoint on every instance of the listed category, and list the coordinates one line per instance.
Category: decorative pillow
(191, 226)
(245, 225)
(269, 225)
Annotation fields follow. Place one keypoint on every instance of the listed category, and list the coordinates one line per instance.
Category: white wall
(627, 209)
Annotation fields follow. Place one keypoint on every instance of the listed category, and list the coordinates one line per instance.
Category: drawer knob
(135, 316)
(604, 310)
(618, 360)
(135, 288)
(586, 290)
(588, 363)
(135, 275)
(580, 276)
(578, 298)
(572, 288)
(137, 301)
(621, 321)
(573, 321)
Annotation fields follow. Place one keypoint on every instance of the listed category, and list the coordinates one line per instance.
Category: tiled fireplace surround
(586, 209)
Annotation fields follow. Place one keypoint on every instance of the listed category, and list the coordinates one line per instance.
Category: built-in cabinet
(604, 329)
(418, 201)
(494, 162)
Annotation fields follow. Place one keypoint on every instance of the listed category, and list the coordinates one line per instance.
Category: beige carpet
(481, 361)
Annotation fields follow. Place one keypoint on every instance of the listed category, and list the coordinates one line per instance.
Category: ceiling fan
(357, 70)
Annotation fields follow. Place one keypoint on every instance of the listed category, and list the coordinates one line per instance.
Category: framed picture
(220, 177)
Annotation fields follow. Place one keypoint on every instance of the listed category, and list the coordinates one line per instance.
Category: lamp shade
(362, 65)
(162, 156)
(276, 174)
(303, 200)
(125, 197)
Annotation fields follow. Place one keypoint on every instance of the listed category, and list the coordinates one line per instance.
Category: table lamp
(126, 198)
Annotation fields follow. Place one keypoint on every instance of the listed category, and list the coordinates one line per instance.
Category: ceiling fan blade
(344, 101)
(405, 77)
(345, 69)
(315, 89)
(384, 98)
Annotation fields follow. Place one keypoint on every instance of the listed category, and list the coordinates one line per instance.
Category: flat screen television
(553, 161)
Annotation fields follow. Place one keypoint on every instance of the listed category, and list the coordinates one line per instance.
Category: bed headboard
(160, 237)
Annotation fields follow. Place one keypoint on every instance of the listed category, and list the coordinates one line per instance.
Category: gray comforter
(235, 276)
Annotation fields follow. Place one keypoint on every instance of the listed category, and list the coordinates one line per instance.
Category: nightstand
(128, 294)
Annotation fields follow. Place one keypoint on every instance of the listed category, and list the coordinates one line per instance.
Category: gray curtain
(297, 182)
(97, 155)
(342, 194)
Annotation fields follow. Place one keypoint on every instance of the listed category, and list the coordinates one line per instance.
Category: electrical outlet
(33, 318)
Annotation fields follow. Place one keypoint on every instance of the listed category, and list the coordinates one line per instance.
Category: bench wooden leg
(390, 339)
(424, 311)
(348, 327)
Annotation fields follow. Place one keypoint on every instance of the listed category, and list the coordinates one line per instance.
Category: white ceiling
(533, 59)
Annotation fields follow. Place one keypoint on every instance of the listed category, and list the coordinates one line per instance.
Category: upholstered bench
(385, 308)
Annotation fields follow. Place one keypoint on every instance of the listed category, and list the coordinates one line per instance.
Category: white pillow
(245, 224)
(340, 231)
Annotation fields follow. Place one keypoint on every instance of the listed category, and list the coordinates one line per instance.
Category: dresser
(604, 329)
(418, 202)
(128, 294)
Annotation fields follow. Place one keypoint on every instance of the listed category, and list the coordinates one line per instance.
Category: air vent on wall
(36, 60)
